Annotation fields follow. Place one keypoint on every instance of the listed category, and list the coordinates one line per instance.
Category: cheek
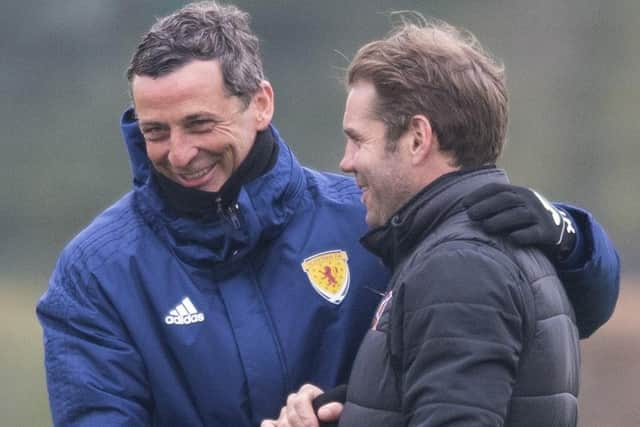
(156, 152)
(384, 181)
(243, 144)
(230, 155)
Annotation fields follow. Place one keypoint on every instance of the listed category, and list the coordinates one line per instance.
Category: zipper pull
(219, 205)
(231, 213)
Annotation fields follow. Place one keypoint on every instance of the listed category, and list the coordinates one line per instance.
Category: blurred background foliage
(572, 68)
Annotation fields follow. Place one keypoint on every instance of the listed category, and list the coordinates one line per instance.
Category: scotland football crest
(329, 274)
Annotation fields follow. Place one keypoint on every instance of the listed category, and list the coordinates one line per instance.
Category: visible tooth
(196, 175)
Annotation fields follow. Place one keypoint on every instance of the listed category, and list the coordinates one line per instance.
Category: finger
(508, 221)
(336, 394)
(288, 415)
(485, 192)
(330, 412)
(302, 401)
(293, 419)
(268, 423)
(283, 420)
(528, 236)
(491, 205)
(299, 411)
(310, 390)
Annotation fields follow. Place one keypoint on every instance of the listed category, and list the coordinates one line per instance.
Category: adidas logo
(185, 313)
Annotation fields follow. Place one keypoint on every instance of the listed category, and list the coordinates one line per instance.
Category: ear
(423, 139)
(263, 105)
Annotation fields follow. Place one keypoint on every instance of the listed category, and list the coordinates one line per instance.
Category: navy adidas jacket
(153, 318)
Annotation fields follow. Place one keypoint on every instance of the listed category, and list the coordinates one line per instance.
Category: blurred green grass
(23, 396)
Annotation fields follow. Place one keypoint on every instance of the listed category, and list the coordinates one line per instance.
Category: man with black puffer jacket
(472, 330)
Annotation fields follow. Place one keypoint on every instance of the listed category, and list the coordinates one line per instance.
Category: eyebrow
(353, 134)
(146, 124)
(199, 116)
(186, 121)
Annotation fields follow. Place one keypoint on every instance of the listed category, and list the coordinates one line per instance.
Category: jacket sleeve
(94, 374)
(462, 336)
(591, 273)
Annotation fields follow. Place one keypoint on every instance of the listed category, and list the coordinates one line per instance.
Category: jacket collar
(259, 206)
(189, 201)
(425, 211)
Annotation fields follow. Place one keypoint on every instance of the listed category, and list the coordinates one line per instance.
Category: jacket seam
(411, 313)
(453, 338)
(502, 417)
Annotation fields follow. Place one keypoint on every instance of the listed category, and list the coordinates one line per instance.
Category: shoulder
(462, 272)
(109, 238)
(336, 203)
(111, 233)
(332, 187)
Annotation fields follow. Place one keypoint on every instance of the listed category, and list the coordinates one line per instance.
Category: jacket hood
(134, 141)
(426, 210)
(263, 206)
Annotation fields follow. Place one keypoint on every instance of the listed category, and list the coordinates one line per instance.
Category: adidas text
(184, 320)
(184, 313)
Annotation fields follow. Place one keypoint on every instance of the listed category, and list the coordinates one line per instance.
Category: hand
(328, 406)
(299, 411)
(524, 216)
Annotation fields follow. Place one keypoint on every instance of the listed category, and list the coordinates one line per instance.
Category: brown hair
(434, 69)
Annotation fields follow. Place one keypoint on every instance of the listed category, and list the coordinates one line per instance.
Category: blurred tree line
(572, 69)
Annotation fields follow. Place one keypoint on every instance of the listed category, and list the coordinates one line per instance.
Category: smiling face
(383, 175)
(196, 134)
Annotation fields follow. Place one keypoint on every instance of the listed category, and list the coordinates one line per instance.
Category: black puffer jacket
(473, 332)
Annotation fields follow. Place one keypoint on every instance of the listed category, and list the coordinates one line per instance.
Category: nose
(346, 164)
(181, 151)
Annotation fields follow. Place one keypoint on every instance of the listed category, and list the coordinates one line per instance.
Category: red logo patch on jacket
(380, 309)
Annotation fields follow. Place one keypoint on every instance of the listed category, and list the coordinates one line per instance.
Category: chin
(368, 221)
(372, 221)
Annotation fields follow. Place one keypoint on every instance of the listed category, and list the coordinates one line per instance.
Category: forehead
(197, 83)
(360, 103)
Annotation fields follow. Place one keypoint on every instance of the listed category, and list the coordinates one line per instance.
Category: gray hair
(203, 31)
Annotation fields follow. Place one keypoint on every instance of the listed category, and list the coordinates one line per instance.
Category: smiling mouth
(196, 179)
(197, 174)
(363, 196)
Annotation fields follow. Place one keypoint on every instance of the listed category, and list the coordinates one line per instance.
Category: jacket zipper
(231, 213)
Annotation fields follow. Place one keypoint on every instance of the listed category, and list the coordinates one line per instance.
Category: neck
(437, 166)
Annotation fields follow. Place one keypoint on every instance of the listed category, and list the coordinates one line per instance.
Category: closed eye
(355, 141)
(201, 125)
(353, 136)
(155, 133)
